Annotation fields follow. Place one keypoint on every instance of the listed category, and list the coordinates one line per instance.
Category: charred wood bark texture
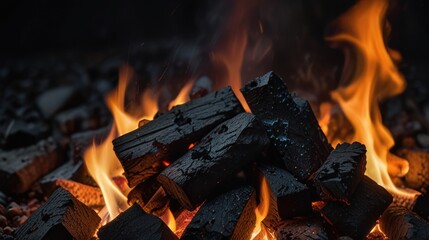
(20, 168)
(61, 217)
(357, 218)
(228, 216)
(290, 123)
(400, 223)
(134, 223)
(212, 162)
(341, 173)
(142, 151)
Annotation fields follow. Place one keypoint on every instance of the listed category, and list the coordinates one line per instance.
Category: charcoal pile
(314, 191)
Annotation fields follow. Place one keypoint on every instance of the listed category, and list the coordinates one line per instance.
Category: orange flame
(101, 160)
(262, 210)
(230, 52)
(183, 95)
(372, 76)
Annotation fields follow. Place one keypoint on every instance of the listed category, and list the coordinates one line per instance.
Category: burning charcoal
(79, 142)
(143, 151)
(215, 160)
(288, 197)
(70, 170)
(143, 192)
(418, 173)
(344, 169)
(134, 223)
(20, 168)
(304, 228)
(400, 223)
(90, 196)
(61, 217)
(290, 123)
(202, 87)
(56, 99)
(421, 206)
(228, 216)
(143, 122)
(357, 218)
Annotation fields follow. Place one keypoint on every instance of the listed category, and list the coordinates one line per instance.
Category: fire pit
(200, 139)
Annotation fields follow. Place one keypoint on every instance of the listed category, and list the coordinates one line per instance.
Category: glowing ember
(372, 76)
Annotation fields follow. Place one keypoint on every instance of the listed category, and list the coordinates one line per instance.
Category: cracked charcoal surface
(228, 216)
(214, 160)
(61, 217)
(290, 123)
(168, 136)
(341, 173)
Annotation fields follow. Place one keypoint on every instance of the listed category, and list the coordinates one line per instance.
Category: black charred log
(342, 172)
(142, 151)
(289, 198)
(20, 168)
(61, 217)
(357, 218)
(290, 123)
(228, 216)
(302, 229)
(134, 223)
(214, 160)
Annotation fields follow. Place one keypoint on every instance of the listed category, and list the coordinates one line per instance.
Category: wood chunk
(228, 216)
(290, 123)
(81, 141)
(143, 192)
(70, 170)
(134, 223)
(212, 162)
(88, 195)
(142, 151)
(158, 203)
(20, 168)
(418, 173)
(341, 173)
(289, 198)
(400, 223)
(303, 229)
(61, 217)
(357, 218)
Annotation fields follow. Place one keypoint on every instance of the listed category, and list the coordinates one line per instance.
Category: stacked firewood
(217, 156)
(208, 161)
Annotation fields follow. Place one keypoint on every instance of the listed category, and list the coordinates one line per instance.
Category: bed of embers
(87, 153)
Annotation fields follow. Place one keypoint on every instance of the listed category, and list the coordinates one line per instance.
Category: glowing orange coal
(369, 75)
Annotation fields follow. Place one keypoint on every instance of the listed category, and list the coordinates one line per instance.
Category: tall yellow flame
(372, 76)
